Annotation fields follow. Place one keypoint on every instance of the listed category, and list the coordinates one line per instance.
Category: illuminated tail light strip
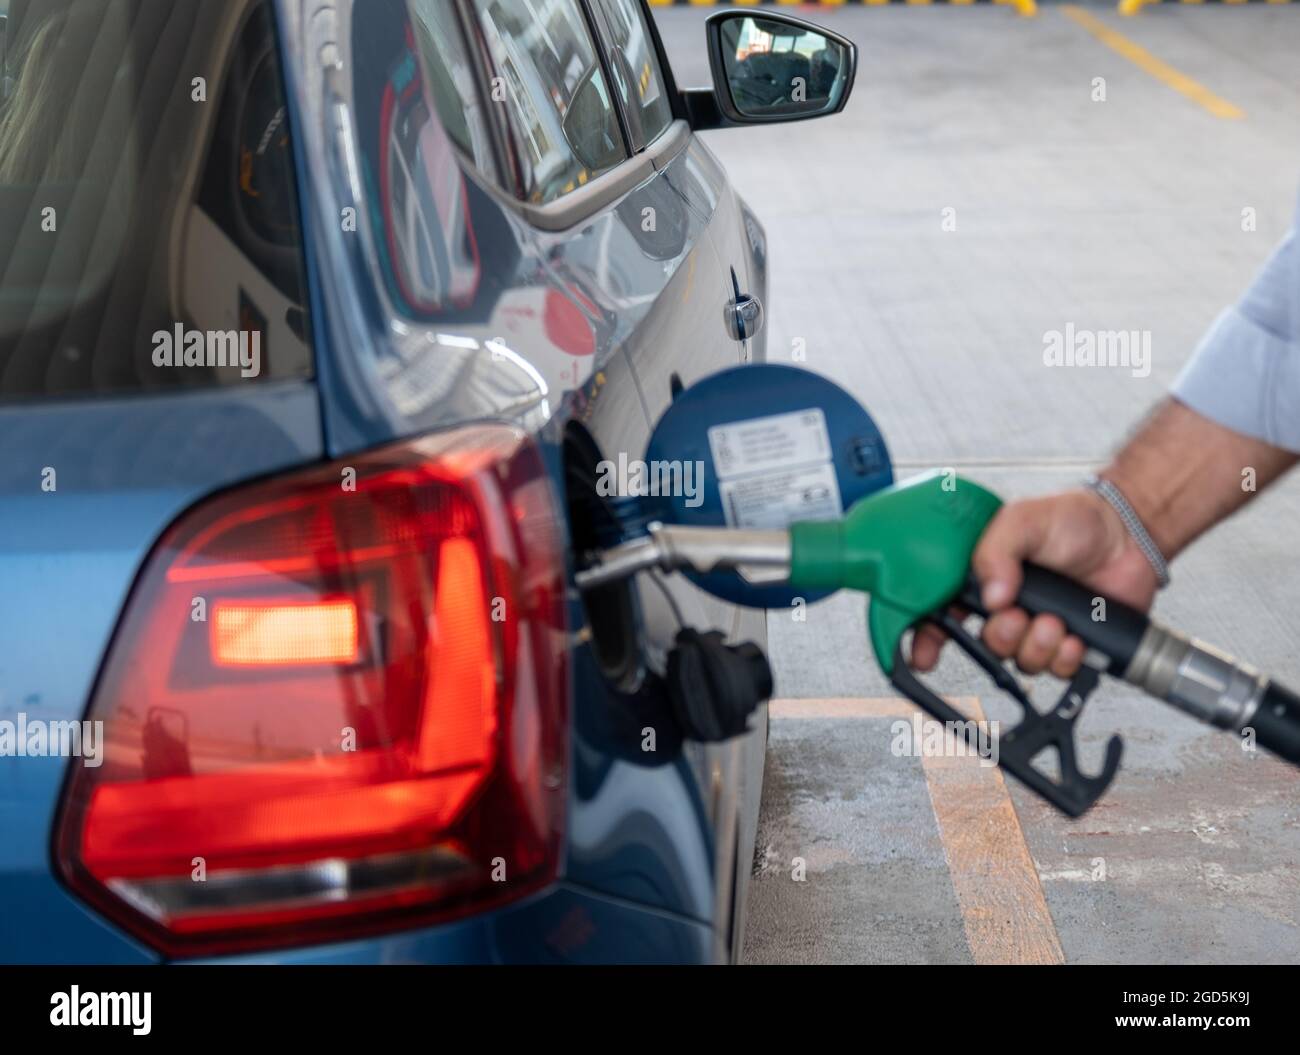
(264, 633)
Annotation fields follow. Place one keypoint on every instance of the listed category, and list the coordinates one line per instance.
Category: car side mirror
(585, 125)
(774, 67)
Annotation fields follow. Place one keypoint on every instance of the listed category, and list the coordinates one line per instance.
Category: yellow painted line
(1028, 8)
(1003, 909)
(1148, 63)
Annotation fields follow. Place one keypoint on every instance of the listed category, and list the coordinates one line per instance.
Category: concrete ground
(1125, 213)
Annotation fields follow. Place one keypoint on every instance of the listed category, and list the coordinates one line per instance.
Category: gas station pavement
(976, 195)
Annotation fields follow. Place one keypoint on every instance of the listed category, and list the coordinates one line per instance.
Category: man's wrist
(1131, 523)
(1182, 473)
(1149, 505)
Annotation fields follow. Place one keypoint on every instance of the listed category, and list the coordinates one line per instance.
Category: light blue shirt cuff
(1245, 373)
(1246, 379)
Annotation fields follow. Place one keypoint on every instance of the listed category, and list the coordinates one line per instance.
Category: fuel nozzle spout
(1196, 678)
(1217, 688)
(668, 547)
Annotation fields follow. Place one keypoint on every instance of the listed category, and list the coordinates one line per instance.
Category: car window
(639, 81)
(546, 72)
(149, 234)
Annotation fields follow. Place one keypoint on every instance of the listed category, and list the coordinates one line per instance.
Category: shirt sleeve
(1245, 374)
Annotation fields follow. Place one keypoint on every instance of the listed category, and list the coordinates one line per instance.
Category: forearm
(1183, 473)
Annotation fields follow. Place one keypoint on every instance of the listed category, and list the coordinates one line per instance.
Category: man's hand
(1076, 533)
(1181, 473)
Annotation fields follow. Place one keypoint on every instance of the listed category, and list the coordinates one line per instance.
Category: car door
(636, 260)
(688, 348)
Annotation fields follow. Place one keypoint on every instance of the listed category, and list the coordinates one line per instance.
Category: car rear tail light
(336, 704)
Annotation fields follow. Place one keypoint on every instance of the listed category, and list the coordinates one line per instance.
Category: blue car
(321, 326)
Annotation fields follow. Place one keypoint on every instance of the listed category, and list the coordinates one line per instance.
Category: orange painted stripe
(843, 707)
(1002, 902)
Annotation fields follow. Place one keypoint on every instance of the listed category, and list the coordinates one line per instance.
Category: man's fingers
(927, 642)
(1014, 534)
(1004, 631)
(1037, 650)
(1037, 644)
(1068, 658)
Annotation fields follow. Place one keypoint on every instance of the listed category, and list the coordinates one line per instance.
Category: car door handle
(743, 317)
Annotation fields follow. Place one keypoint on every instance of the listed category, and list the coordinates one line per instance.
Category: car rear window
(149, 225)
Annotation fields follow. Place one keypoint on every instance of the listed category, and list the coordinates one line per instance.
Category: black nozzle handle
(1200, 680)
(1110, 627)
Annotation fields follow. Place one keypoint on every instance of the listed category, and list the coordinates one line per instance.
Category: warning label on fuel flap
(775, 470)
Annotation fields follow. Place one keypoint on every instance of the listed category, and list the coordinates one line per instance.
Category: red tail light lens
(336, 704)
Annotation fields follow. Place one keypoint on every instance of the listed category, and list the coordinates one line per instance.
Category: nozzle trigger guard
(1036, 732)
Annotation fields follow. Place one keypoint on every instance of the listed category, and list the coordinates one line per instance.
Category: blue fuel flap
(761, 446)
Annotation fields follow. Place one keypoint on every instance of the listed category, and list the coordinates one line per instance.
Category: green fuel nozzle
(908, 546)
